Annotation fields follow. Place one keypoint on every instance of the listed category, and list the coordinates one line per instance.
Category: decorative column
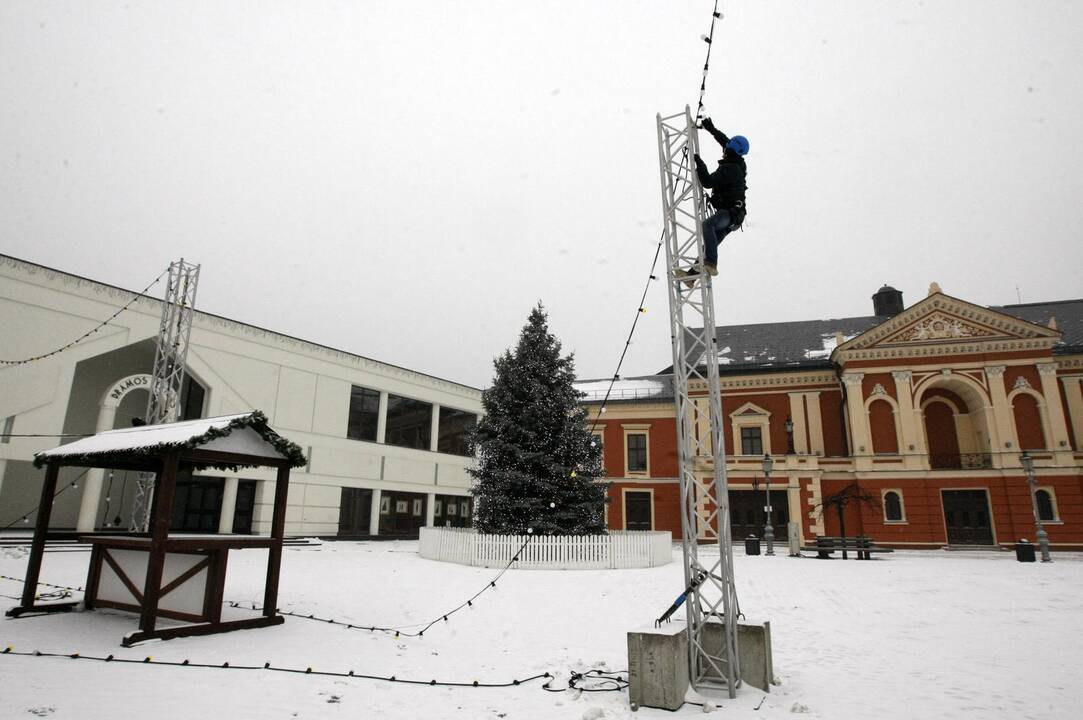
(815, 423)
(430, 509)
(909, 419)
(860, 439)
(999, 420)
(374, 512)
(1073, 389)
(229, 505)
(1054, 410)
(797, 415)
(381, 419)
(92, 484)
(434, 431)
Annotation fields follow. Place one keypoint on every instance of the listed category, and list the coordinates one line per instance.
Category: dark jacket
(727, 182)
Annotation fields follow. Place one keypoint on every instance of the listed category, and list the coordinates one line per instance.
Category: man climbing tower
(727, 186)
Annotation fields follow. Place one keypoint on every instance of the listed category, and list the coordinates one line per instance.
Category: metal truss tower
(170, 361)
(711, 606)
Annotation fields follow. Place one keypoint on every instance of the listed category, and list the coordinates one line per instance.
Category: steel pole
(1043, 537)
(768, 525)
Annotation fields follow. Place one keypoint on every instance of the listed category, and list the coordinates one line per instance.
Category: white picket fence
(631, 549)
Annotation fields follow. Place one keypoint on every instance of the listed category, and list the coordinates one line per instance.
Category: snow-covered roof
(644, 388)
(246, 434)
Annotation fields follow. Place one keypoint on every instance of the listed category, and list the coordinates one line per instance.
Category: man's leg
(715, 229)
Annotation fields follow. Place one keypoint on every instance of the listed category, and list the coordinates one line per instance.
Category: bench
(862, 545)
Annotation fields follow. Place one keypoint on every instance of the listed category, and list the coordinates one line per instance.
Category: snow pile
(919, 634)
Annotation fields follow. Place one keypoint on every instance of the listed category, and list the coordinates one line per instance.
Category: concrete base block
(658, 667)
(658, 661)
(753, 649)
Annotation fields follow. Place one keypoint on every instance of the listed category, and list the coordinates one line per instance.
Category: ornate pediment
(943, 325)
(940, 326)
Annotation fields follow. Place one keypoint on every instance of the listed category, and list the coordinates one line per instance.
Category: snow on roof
(247, 433)
(630, 389)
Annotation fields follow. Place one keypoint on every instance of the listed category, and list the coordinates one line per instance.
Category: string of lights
(88, 333)
(401, 630)
(58, 587)
(149, 660)
(709, 39)
(592, 681)
(25, 517)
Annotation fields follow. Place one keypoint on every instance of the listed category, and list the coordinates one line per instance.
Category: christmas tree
(538, 463)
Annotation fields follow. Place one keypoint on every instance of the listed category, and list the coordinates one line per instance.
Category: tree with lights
(538, 463)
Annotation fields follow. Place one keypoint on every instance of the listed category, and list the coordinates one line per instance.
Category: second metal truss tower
(170, 361)
(711, 607)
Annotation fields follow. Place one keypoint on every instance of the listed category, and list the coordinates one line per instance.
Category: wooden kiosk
(180, 576)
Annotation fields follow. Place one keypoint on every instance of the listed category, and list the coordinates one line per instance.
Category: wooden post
(41, 529)
(161, 514)
(278, 529)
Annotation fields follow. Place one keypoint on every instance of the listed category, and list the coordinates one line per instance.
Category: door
(637, 510)
(246, 501)
(966, 515)
(747, 516)
(355, 511)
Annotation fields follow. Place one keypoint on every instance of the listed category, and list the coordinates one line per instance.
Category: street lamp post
(1043, 538)
(768, 526)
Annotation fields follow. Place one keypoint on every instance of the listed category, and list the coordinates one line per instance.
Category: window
(1046, 507)
(637, 452)
(465, 508)
(438, 507)
(364, 414)
(893, 508)
(409, 423)
(417, 507)
(455, 428)
(751, 441)
(385, 505)
(451, 509)
(9, 427)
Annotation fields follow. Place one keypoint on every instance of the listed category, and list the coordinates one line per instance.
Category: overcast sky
(404, 180)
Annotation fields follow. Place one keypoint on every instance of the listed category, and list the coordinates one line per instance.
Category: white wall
(303, 388)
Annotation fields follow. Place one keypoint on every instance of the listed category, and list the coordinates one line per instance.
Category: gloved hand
(696, 158)
(708, 125)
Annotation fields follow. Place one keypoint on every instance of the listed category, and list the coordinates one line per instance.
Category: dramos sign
(124, 386)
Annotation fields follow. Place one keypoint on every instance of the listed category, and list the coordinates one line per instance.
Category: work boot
(712, 269)
(686, 274)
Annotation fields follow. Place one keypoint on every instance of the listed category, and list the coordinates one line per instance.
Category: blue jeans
(715, 230)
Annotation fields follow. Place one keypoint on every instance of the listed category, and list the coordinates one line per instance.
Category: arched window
(1028, 422)
(1045, 505)
(882, 425)
(893, 509)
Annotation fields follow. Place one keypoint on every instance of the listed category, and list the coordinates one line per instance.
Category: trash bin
(752, 546)
(1024, 551)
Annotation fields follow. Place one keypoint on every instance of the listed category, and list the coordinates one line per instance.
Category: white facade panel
(302, 387)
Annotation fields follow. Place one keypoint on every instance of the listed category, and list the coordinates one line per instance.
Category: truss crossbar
(711, 609)
(170, 360)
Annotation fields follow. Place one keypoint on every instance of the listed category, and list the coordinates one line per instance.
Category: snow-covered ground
(915, 635)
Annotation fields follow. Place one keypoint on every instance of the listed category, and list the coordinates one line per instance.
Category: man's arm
(701, 172)
(717, 134)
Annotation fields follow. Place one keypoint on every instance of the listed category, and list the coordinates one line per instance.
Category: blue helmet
(738, 144)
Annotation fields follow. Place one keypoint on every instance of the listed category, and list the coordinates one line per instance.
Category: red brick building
(926, 409)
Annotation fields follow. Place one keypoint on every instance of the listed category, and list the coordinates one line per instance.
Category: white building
(385, 444)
